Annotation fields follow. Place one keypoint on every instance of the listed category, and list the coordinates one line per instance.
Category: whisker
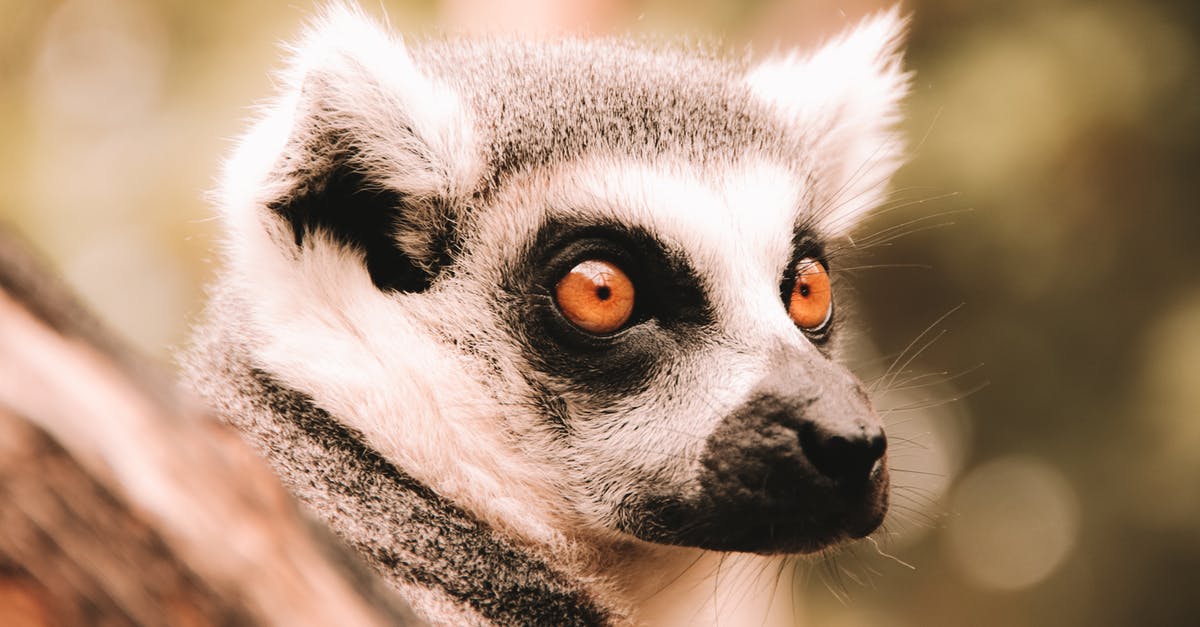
(891, 369)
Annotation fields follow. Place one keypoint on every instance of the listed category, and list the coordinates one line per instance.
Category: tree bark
(123, 502)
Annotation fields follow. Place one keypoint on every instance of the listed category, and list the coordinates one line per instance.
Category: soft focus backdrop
(1030, 297)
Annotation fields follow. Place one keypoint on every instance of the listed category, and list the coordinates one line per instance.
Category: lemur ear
(846, 97)
(361, 149)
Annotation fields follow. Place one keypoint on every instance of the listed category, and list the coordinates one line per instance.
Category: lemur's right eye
(596, 296)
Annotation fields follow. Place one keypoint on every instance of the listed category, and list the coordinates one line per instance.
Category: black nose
(845, 457)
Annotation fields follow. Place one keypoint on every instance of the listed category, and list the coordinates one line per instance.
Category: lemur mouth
(767, 518)
(773, 480)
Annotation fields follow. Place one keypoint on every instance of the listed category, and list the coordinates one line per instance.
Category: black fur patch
(333, 195)
(340, 204)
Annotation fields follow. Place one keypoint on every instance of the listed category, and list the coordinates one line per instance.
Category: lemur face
(593, 273)
(675, 328)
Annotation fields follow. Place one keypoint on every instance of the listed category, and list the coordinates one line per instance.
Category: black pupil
(804, 290)
(603, 292)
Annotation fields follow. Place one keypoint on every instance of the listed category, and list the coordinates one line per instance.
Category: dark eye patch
(670, 316)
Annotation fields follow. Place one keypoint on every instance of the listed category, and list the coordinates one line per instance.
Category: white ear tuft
(416, 128)
(846, 96)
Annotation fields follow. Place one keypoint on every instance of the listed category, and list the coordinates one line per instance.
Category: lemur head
(582, 285)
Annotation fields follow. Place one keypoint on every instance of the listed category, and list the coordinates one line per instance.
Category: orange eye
(811, 302)
(596, 295)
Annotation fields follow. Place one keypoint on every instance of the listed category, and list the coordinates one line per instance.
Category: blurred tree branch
(122, 503)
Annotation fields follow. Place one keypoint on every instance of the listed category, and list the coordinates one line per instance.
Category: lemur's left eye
(596, 296)
(811, 302)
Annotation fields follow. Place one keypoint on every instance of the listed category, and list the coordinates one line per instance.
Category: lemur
(548, 331)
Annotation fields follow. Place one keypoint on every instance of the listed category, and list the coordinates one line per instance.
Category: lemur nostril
(843, 457)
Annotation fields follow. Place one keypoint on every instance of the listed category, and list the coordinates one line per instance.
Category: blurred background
(1031, 297)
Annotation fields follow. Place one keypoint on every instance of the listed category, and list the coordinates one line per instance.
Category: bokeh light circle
(1013, 522)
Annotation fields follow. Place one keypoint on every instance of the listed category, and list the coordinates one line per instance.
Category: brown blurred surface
(124, 504)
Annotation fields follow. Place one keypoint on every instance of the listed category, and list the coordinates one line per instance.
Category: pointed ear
(846, 97)
(361, 150)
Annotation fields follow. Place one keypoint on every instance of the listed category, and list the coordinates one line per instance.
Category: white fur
(369, 358)
(364, 355)
(849, 92)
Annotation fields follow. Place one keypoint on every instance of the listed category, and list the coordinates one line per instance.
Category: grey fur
(408, 534)
(539, 103)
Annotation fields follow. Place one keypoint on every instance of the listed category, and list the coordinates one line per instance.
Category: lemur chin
(536, 326)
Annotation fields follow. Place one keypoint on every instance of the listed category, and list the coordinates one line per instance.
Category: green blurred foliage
(1052, 193)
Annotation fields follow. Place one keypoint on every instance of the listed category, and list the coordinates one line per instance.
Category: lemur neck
(685, 586)
(453, 568)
